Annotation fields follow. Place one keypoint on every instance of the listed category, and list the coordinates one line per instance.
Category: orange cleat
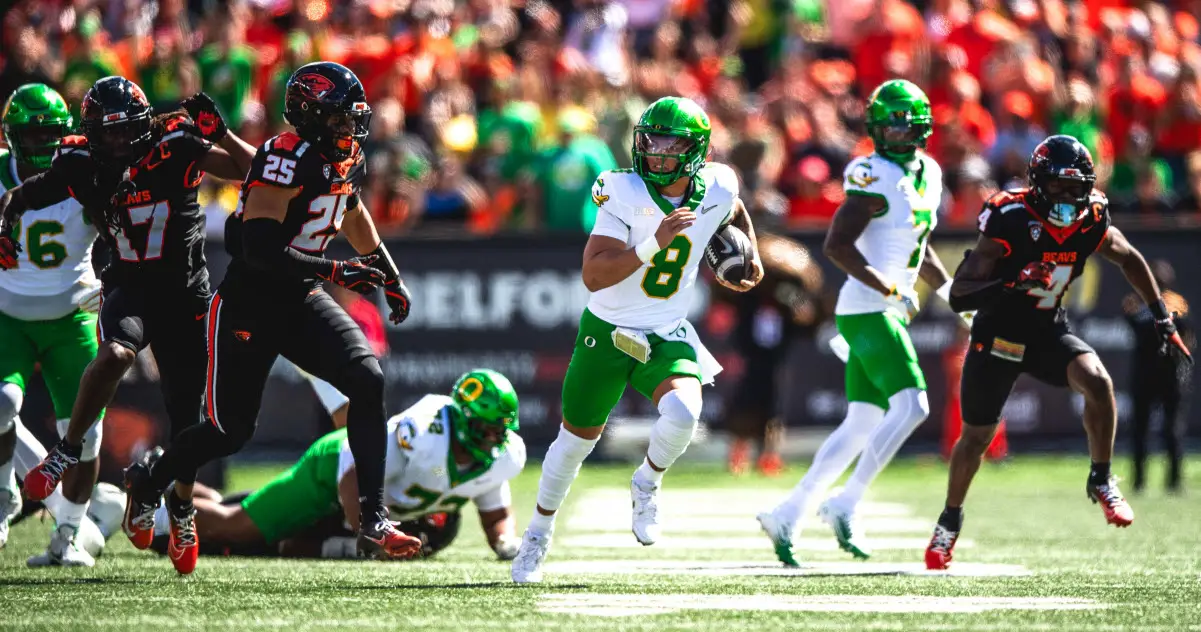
(938, 552)
(1117, 511)
(770, 464)
(740, 457)
(140, 505)
(383, 541)
(43, 479)
(183, 547)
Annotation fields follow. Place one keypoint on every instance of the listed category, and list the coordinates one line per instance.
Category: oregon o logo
(470, 389)
(589, 342)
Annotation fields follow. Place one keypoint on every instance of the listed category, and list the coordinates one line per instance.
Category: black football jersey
(325, 189)
(1008, 219)
(157, 238)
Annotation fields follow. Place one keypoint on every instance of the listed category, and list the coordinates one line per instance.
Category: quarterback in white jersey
(443, 452)
(880, 238)
(641, 263)
(49, 296)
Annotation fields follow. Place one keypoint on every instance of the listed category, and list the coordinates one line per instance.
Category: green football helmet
(35, 120)
(899, 119)
(485, 412)
(671, 129)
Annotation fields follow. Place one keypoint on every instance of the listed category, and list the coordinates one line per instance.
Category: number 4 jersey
(421, 475)
(894, 242)
(324, 190)
(1008, 219)
(54, 269)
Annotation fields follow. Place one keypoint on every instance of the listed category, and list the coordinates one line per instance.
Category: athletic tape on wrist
(647, 249)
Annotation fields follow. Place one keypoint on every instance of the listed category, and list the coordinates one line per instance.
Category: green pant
(598, 373)
(63, 347)
(883, 361)
(298, 498)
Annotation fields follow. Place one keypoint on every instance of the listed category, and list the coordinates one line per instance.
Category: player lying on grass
(879, 236)
(441, 453)
(1033, 243)
(640, 265)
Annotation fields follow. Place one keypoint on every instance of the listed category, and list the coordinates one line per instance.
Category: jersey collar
(692, 197)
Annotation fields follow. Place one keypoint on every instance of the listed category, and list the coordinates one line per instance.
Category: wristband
(1158, 310)
(944, 292)
(647, 249)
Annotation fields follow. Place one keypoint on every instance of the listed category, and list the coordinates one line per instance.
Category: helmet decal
(317, 85)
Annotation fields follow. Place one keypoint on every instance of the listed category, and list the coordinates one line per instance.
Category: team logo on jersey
(1036, 230)
(597, 198)
(242, 335)
(862, 176)
(317, 85)
(325, 170)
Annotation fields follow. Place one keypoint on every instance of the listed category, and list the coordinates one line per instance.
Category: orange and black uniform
(260, 311)
(1027, 331)
(156, 286)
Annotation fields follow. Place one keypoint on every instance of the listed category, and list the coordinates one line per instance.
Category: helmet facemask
(1065, 198)
(901, 135)
(35, 144)
(119, 143)
(663, 158)
(343, 133)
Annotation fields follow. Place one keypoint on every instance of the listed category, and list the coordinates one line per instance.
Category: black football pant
(1146, 393)
(245, 336)
(173, 326)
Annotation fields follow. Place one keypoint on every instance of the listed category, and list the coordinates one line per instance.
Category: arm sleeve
(498, 497)
(50, 187)
(265, 246)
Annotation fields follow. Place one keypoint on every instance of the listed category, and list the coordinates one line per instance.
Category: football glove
(1036, 275)
(399, 299)
(9, 248)
(904, 301)
(204, 113)
(1170, 343)
(356, 274)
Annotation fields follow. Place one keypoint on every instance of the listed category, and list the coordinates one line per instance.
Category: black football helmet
(326, 104)
(116, 117)
(1061, 175)
(436, 531)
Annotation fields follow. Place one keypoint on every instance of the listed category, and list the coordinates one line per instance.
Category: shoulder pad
(870, 174)
(512, 459)
(614, 186)
(1005, 201)
(73, 145)
(723, 177)
(287, 143)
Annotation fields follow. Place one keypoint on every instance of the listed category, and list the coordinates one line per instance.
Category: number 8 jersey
(324, 190)
(1008, 219)
(894, 242)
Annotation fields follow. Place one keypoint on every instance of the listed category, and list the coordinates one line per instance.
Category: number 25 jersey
(1009, 220)
(324, 190)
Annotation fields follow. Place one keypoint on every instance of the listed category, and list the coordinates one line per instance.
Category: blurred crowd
(498, 114)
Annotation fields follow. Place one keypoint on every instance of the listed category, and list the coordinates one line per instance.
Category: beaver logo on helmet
(317, 85)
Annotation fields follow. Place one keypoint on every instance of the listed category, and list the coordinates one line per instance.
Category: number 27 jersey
(325, 189)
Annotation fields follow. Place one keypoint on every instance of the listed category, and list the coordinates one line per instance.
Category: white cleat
(645, 523)
(89, 538)
(780, 532)
(10, 506)
(106, 508)
(63, 551)
(846, 531)
(527, 566)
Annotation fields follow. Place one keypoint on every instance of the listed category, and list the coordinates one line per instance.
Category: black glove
(1170, 343)
(399, 300)
(356, 274)
(204, 113)
(9, 248)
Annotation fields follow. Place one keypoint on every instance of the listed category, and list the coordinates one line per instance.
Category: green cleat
(843, 524)
(780, 533)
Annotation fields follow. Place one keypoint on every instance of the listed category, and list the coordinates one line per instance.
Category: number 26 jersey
(325, 189)
(1008, 219)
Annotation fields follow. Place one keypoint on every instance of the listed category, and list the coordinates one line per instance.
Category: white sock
(679, 413)
(162, 520)
(8, 475)
(71, 514)
(832, 459)
(559, 469)
(648, 475)
(29, 450)
(906, 411)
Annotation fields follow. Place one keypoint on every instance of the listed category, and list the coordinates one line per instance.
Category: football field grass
(1035, 555)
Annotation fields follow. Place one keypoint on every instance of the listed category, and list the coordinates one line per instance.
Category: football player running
(302, 189)
(474, 430)
(880, 238)
(1033, 243)
(640, 265)
(131, 179)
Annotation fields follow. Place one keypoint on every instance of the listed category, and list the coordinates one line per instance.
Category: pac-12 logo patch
(325, 170)
(1036, 230)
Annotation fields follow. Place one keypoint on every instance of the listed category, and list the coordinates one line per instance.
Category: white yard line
(738, 543)
(626, 605)
(759, 568)
(619, 522)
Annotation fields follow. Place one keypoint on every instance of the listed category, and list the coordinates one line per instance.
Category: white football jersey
(659, 293)
(54, 268)
(420, 474)
(894, 242)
